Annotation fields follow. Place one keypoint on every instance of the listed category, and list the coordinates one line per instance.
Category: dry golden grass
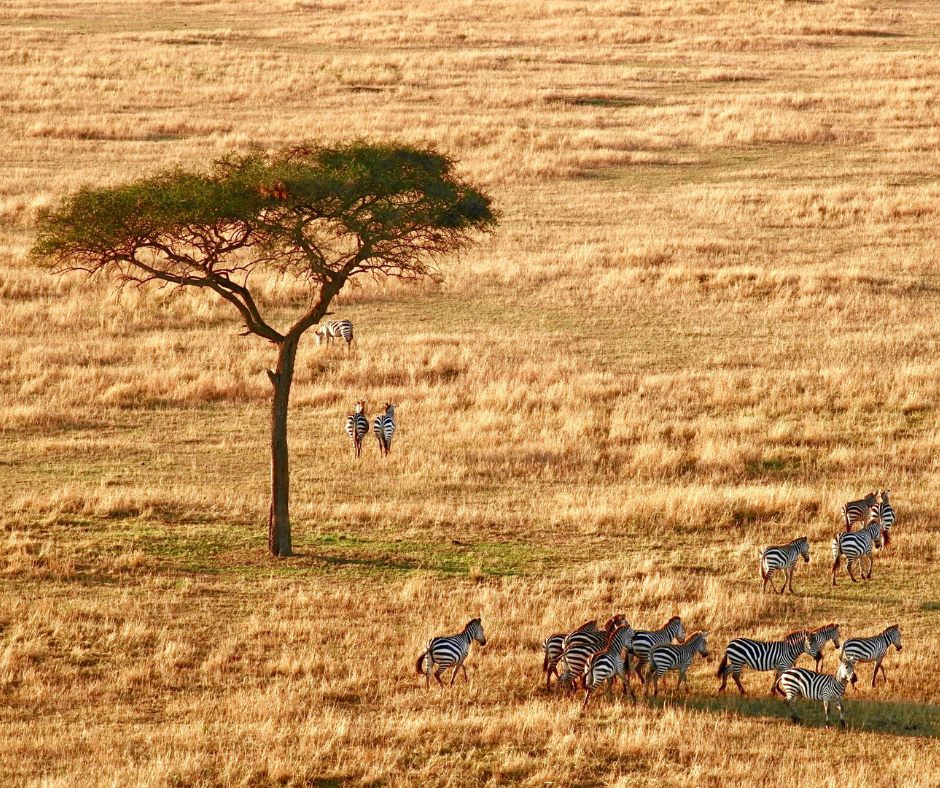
(707, 320)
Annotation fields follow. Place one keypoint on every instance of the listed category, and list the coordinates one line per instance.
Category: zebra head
(674, 628)
(884, 496)
(802, 544)
(621, 637)
(822, 635)
(697, 642)
(616, 620)
(893, 634)
(360, 406)
(846, 672)
(800, 637)
(475, 630)
(390, 409)
(321, 334)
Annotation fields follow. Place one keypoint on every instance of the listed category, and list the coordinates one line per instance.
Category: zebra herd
(878, 518)
(590, 656)
(357, 424)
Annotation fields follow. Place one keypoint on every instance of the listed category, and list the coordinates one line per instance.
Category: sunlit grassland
(708, 318)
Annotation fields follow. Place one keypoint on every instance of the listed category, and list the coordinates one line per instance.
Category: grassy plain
(709, 317)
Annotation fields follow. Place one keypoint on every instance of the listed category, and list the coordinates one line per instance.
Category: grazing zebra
(581, 646)
(777, 655)
(609, 663)
(357, 425)
(857, 511)
(800, 682)
(872, 649)
(384, 428)
(644, 641)
(555, 644)
(854, 545)
(819, 637)
(450, 650)
(782, 557)
(669, 657)
(887, 516)
(335, 328)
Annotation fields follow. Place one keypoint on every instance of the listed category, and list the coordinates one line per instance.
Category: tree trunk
(279, 519)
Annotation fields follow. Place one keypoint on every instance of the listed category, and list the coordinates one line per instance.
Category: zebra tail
(419, 666)
(835, 550)
(723, 665)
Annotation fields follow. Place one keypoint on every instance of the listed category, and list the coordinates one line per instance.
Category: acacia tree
(321, 215)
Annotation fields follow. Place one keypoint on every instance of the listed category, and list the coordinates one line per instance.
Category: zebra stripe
(669, 657)
(555, 644)
(872, 649)
(609, 663)
(784, 558)
(333, 329)
(777, 655)
(357, 425)
(818, 639)
(384, 428)
(857, 511)
(854, 545)
(800, 682)
(887, 516)
(450, 650)
(644, 641)
(583, 644)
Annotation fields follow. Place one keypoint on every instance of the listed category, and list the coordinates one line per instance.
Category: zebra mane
(614, 621)
(587, 626)
(692, 637)
(891, 628)
(796, 633)
(823, 627)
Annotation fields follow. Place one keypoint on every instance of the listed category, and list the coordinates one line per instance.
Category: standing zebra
(669, 657)
(644, 641)
(335, 328)
(854, 545)
(872, 649)
(818, 639)
(555, 644)
(580, 647)
(800, 682)
(450, 650)
(777, 655)
(609, 663)
(782, 557)
(887, 516)
(384, 428)
(357, 425)
(857, 511)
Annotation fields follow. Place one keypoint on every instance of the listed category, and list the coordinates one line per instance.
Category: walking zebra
(854, 545)
(818, 639)
(777, 655)
(335, 328)
(887, 516)
(782, 557)
(609, 663)
(555, 644)
(669, 657)
(800, 682)
(644, 641)
(450, 650)
(857, 511)
(580, 647)
(357, 425)
(872, 649)
(384, 428)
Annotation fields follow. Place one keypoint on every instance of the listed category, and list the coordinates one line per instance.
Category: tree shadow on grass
(898, 718)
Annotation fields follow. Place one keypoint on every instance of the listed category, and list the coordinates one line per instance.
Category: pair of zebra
(870, 508)
(357, 425)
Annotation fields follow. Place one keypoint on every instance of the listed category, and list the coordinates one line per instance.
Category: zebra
(645, 640)
(853, 545)
(777, 655)
(335, 328)
(357, 425)
(819, 637)
(857, 511)
(782, 557)
(450, 650)
(581, 646)
(887, 516)
(669, 657)
(384, 428)
(609, 663)
(872, 649)
(554, 645)
(800, 682)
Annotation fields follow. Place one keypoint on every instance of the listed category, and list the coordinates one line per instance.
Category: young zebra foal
(357, 425)
(644, 641)
(872, 649)
(782, 557)
(384, 428)
(450, 650)
(777, 655)
(800, 682)
(855, 545)
(858, 511)
(669, 657)
(609, 663)
(333, 329)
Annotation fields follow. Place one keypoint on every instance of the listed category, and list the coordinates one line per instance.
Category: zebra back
(857, 511)
(645, 640)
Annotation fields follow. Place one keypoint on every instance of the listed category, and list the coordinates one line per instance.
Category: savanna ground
(708, 318)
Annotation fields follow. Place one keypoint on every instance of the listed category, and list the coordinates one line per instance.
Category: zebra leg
(849, 566)
(792, 707)
(463, 667)
(437, 675)
(587, 697)
(875, 674)
(871, 564)
(640, 664)
(826, 709)
(835, 567)
(737, 680)
(841, 715)
(770, 579)
(791, 579)
(775, 688)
